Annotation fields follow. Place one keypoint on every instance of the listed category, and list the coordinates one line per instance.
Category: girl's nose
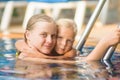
(49, 39)
(63, 43)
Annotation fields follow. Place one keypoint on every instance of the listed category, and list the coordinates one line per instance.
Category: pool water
(12, 68)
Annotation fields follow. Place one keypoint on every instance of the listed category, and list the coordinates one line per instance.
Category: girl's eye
(59, 38)
(69, 41)
(43, 35)
(54, 36)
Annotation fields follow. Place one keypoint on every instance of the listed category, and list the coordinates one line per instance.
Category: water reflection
(46, 69)
(59, 71)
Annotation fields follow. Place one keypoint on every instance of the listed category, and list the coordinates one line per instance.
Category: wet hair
(38, 18)
(68, 23)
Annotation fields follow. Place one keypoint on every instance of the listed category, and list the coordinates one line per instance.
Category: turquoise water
(14, 69)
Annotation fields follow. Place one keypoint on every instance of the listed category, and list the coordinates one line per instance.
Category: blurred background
(15, 13)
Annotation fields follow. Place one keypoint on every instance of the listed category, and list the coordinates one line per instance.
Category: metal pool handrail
(110, 51)
(90, 24)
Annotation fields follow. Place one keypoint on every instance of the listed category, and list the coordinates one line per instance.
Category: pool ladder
(89, 26)
(110, 51)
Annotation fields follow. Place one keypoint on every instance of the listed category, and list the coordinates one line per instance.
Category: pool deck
(11, 35)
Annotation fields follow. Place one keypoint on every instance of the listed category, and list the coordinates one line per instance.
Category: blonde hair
(68, 23)
(37, 18)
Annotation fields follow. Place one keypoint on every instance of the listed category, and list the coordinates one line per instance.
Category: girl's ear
(27, 34)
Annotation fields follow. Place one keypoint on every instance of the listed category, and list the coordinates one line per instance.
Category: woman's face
(42, 37)
(65, 40)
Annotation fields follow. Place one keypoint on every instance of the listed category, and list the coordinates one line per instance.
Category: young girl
(40, 34)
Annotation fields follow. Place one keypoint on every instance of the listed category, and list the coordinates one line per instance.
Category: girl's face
(42, 37)
(65, 40)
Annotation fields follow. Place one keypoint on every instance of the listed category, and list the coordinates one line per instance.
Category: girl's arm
(20, 45)
(71, 54)
(27, 51)
(102, 47)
